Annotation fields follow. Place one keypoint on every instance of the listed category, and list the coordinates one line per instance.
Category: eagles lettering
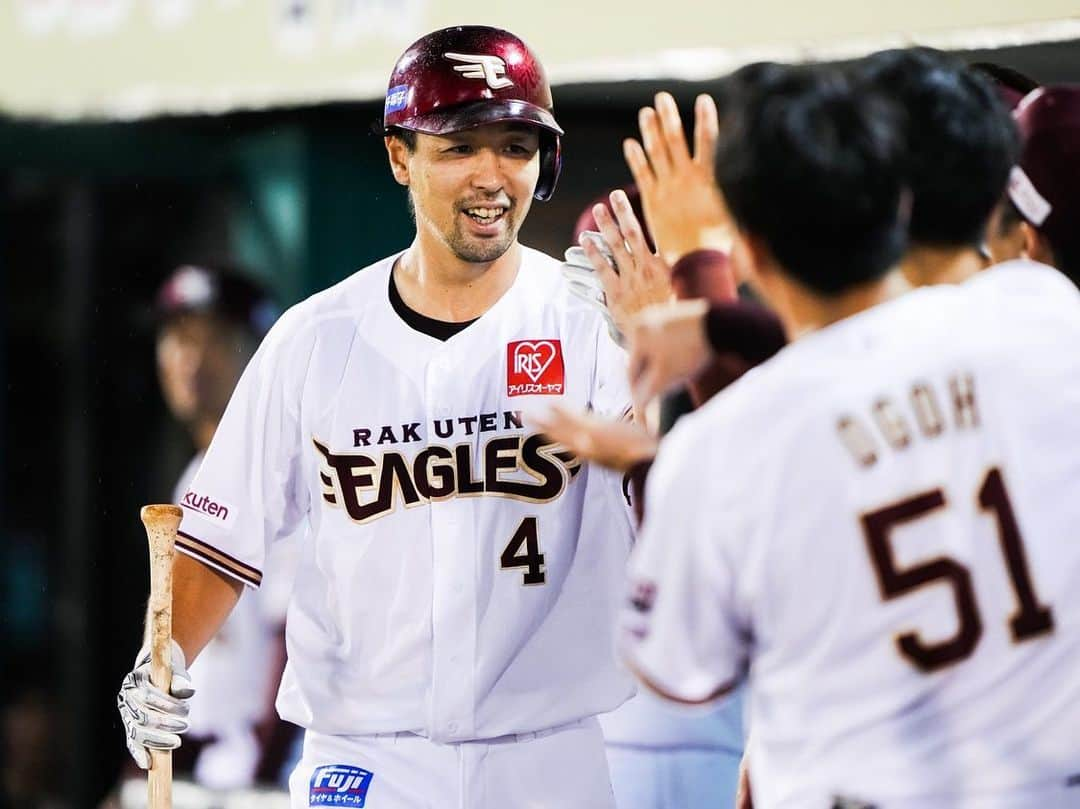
(369, 486)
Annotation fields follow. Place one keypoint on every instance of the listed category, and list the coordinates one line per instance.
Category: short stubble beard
(479, 252)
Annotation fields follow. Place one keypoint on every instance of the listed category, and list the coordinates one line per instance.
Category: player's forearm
(202, 600)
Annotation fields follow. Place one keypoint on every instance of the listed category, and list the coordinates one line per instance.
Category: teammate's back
(908, 574)
(874, 524)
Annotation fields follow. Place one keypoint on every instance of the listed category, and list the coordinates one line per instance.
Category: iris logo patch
(535, 367)
(397, 98)
(339, 785)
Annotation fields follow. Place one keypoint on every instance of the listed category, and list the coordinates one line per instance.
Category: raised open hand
(684, 208)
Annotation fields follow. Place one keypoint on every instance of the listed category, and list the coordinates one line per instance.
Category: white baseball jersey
(880, 524)
(461, 575)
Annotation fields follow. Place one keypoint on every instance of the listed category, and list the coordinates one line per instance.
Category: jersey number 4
(1030, 619)
(523, 550)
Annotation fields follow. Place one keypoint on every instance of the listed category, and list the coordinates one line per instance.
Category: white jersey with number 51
(887, 537)
(461, 574)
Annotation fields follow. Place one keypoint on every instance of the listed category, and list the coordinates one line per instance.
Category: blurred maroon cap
(1045, 186)
(219, 290)
(586, 221)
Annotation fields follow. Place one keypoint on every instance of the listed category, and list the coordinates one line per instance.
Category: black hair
(406, 136)
(962, 141)
(812, 165)
(732, 87)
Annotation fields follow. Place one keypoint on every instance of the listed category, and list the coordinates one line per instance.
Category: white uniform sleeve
(611, 391)
(610, 398)
(248, 491)
(681, 631)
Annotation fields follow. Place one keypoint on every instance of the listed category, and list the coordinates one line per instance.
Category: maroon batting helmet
(1045, 186)
(468, 76)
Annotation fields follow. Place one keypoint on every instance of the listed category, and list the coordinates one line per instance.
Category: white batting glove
(585, 283)
(152, 718)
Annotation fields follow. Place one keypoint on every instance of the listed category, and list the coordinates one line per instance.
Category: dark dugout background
(92, 218)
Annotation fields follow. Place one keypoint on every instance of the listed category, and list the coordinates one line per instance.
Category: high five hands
(633, 277)
(684, 209)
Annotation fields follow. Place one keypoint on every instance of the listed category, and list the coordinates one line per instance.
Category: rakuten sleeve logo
(208, 507)
(535, 367)
(339, 785)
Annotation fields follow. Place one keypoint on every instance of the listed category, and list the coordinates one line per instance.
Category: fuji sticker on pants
(339, 785)
(535, 367)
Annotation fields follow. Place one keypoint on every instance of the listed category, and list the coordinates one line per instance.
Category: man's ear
(754, 258)
(398, 153)
(1036, 247)
(759, 265)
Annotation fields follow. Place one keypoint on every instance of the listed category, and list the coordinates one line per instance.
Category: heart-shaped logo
(534, 367)
(532, 359)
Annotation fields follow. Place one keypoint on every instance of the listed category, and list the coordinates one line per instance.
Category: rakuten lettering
(204, 505)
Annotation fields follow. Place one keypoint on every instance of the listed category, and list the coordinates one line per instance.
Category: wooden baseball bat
(161, 523)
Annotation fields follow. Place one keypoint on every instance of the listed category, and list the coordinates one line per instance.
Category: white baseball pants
(560, 768)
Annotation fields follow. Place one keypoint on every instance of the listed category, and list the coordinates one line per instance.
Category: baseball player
(451, 629)
(1039, 215)
(878, 539)
(211, 319)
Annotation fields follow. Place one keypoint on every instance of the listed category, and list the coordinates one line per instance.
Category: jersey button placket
(454, 565)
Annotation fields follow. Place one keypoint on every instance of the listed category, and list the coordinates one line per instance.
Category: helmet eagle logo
(491, 69)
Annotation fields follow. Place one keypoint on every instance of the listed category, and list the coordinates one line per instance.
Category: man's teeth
(485, 213)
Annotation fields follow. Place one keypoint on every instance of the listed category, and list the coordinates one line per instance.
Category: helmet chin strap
(550, 165)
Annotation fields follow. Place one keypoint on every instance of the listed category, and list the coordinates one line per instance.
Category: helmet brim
(480, 113)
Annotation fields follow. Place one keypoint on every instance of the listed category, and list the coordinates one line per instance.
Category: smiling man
(451, 627)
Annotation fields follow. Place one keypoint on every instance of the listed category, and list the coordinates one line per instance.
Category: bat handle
(161, 522)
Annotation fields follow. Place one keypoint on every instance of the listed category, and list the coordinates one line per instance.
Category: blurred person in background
(1040, 215)
(30, 711)
(210, 321)
(29, 755)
